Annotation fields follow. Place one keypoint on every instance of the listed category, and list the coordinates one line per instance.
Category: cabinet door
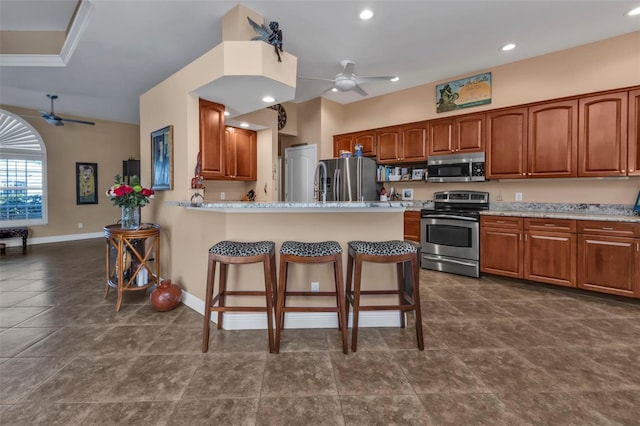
(634, 133)
(342, 142)
(607, 264)
(211, 139)
(412, 226)
(388, 145)
(243, 150)
(552, 140)
(368, 142)
(550, 257)
(603, 135)
(469, 133)
(441, 137)
(506, 140)
(414, 142)
(501, 251)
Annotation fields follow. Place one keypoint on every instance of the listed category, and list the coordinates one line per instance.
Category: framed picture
(407, 194)
(464, 93)
(417, 174)
(162, 159)
(86, 183)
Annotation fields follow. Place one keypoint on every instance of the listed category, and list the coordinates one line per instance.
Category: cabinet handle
(606, 228)
(637, 246)
(632, 170)
(499, 221)
(549, 224)
(622, 170)
(526, 237)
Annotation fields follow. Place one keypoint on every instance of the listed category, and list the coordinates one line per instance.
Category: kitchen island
(197, 226)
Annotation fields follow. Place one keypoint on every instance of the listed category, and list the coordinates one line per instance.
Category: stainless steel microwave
(456, 168)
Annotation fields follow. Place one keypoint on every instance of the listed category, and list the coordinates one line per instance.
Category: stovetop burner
(458, 203)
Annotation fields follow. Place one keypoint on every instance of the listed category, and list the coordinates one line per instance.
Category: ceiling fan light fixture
(394, 79)
(268, 99)
(333, 89)
(634, 12)
(507, 47)
(366, 14)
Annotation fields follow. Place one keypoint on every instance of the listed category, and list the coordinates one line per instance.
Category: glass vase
(130, 218)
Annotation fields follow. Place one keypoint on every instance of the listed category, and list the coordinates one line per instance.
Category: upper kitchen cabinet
(552, 140)
(506, 138)
(603, 135)
(241, 156)
(634, 132)
(402, 144)
(456, 135)
(211, 139)
(348, 141)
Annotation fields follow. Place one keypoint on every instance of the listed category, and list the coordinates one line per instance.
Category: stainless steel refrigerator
(347, 179)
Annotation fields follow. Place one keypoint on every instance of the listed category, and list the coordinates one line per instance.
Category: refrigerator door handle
(358, 179)
(348, 196)
(336, 185)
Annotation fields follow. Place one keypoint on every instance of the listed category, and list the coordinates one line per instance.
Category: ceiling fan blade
(348, 68)
(319, 79)
(359, 90)
(53, 121)
(377, 78)
(71, 120)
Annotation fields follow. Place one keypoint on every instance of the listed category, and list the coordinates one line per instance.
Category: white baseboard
(17, 242)
(258, 321)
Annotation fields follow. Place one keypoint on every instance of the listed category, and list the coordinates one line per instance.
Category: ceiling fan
(347, 80)
(52, 118)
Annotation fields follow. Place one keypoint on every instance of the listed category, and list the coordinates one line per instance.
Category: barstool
(320, 252)
(233, 252)
(398, 252)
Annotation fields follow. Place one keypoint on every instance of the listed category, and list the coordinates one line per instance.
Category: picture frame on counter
(636, 206)
(417, 174)
(407, 194)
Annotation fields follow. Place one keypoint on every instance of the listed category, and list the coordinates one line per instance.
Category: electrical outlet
(518, 196)
(80, 225)
(315, 286)
(223, 195)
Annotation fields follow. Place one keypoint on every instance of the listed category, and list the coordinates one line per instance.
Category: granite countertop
(602, 212)
(297, 207)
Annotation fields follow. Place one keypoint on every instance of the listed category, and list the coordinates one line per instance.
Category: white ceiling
(128, 46)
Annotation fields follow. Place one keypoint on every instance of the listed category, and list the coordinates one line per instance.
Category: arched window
(23, 173)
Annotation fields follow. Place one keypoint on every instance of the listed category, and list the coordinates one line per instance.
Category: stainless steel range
(450, 232)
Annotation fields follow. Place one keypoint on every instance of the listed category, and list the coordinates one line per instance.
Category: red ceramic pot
(166, 296)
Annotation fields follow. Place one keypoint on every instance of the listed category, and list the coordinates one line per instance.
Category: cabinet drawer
(618, 229)
(505, 222)
(543, 224)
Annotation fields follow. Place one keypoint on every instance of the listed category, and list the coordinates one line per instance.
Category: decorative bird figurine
(271, 35)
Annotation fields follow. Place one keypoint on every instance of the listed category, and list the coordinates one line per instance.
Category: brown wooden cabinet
(211, 139)
(633, 130)
(552, 139)
(240, 154)
(402, 144)
(506, 144)
(550, 251)
(608, 254)
(603, 135)
(348, 141)
(501, 246)
(457, 134)
(412, 226)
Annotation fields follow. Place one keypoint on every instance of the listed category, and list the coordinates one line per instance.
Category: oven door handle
(444, 216)
(447, 260)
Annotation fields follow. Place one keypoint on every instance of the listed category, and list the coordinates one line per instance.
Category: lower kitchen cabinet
(609, 257)
(501, 245)
(412, 226)
(550, 251)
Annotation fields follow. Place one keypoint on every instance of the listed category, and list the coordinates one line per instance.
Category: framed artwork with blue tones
(162, 159)
(464, 93)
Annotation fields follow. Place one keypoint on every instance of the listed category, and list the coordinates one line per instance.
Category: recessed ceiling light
(394, 78)
(507, 47)
(226, 113)
(244, 124)
(268, 99)
(366, 14)
(634, 12)
(334, 90)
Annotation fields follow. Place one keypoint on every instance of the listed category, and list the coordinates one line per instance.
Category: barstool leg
(221, 292)
(282, 285)
(211, 273)
(348, 293)
(269, 295)
(401, 301)
(416, 300)
(341, 301)
(356, 303)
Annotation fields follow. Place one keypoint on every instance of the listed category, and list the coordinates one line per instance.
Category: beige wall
(107, 143)
(609, 64)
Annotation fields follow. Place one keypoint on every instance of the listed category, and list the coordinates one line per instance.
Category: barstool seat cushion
(242, 249)
(382, 248)
(319, 249)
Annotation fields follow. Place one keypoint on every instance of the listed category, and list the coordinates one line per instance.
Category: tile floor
(497, 353)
